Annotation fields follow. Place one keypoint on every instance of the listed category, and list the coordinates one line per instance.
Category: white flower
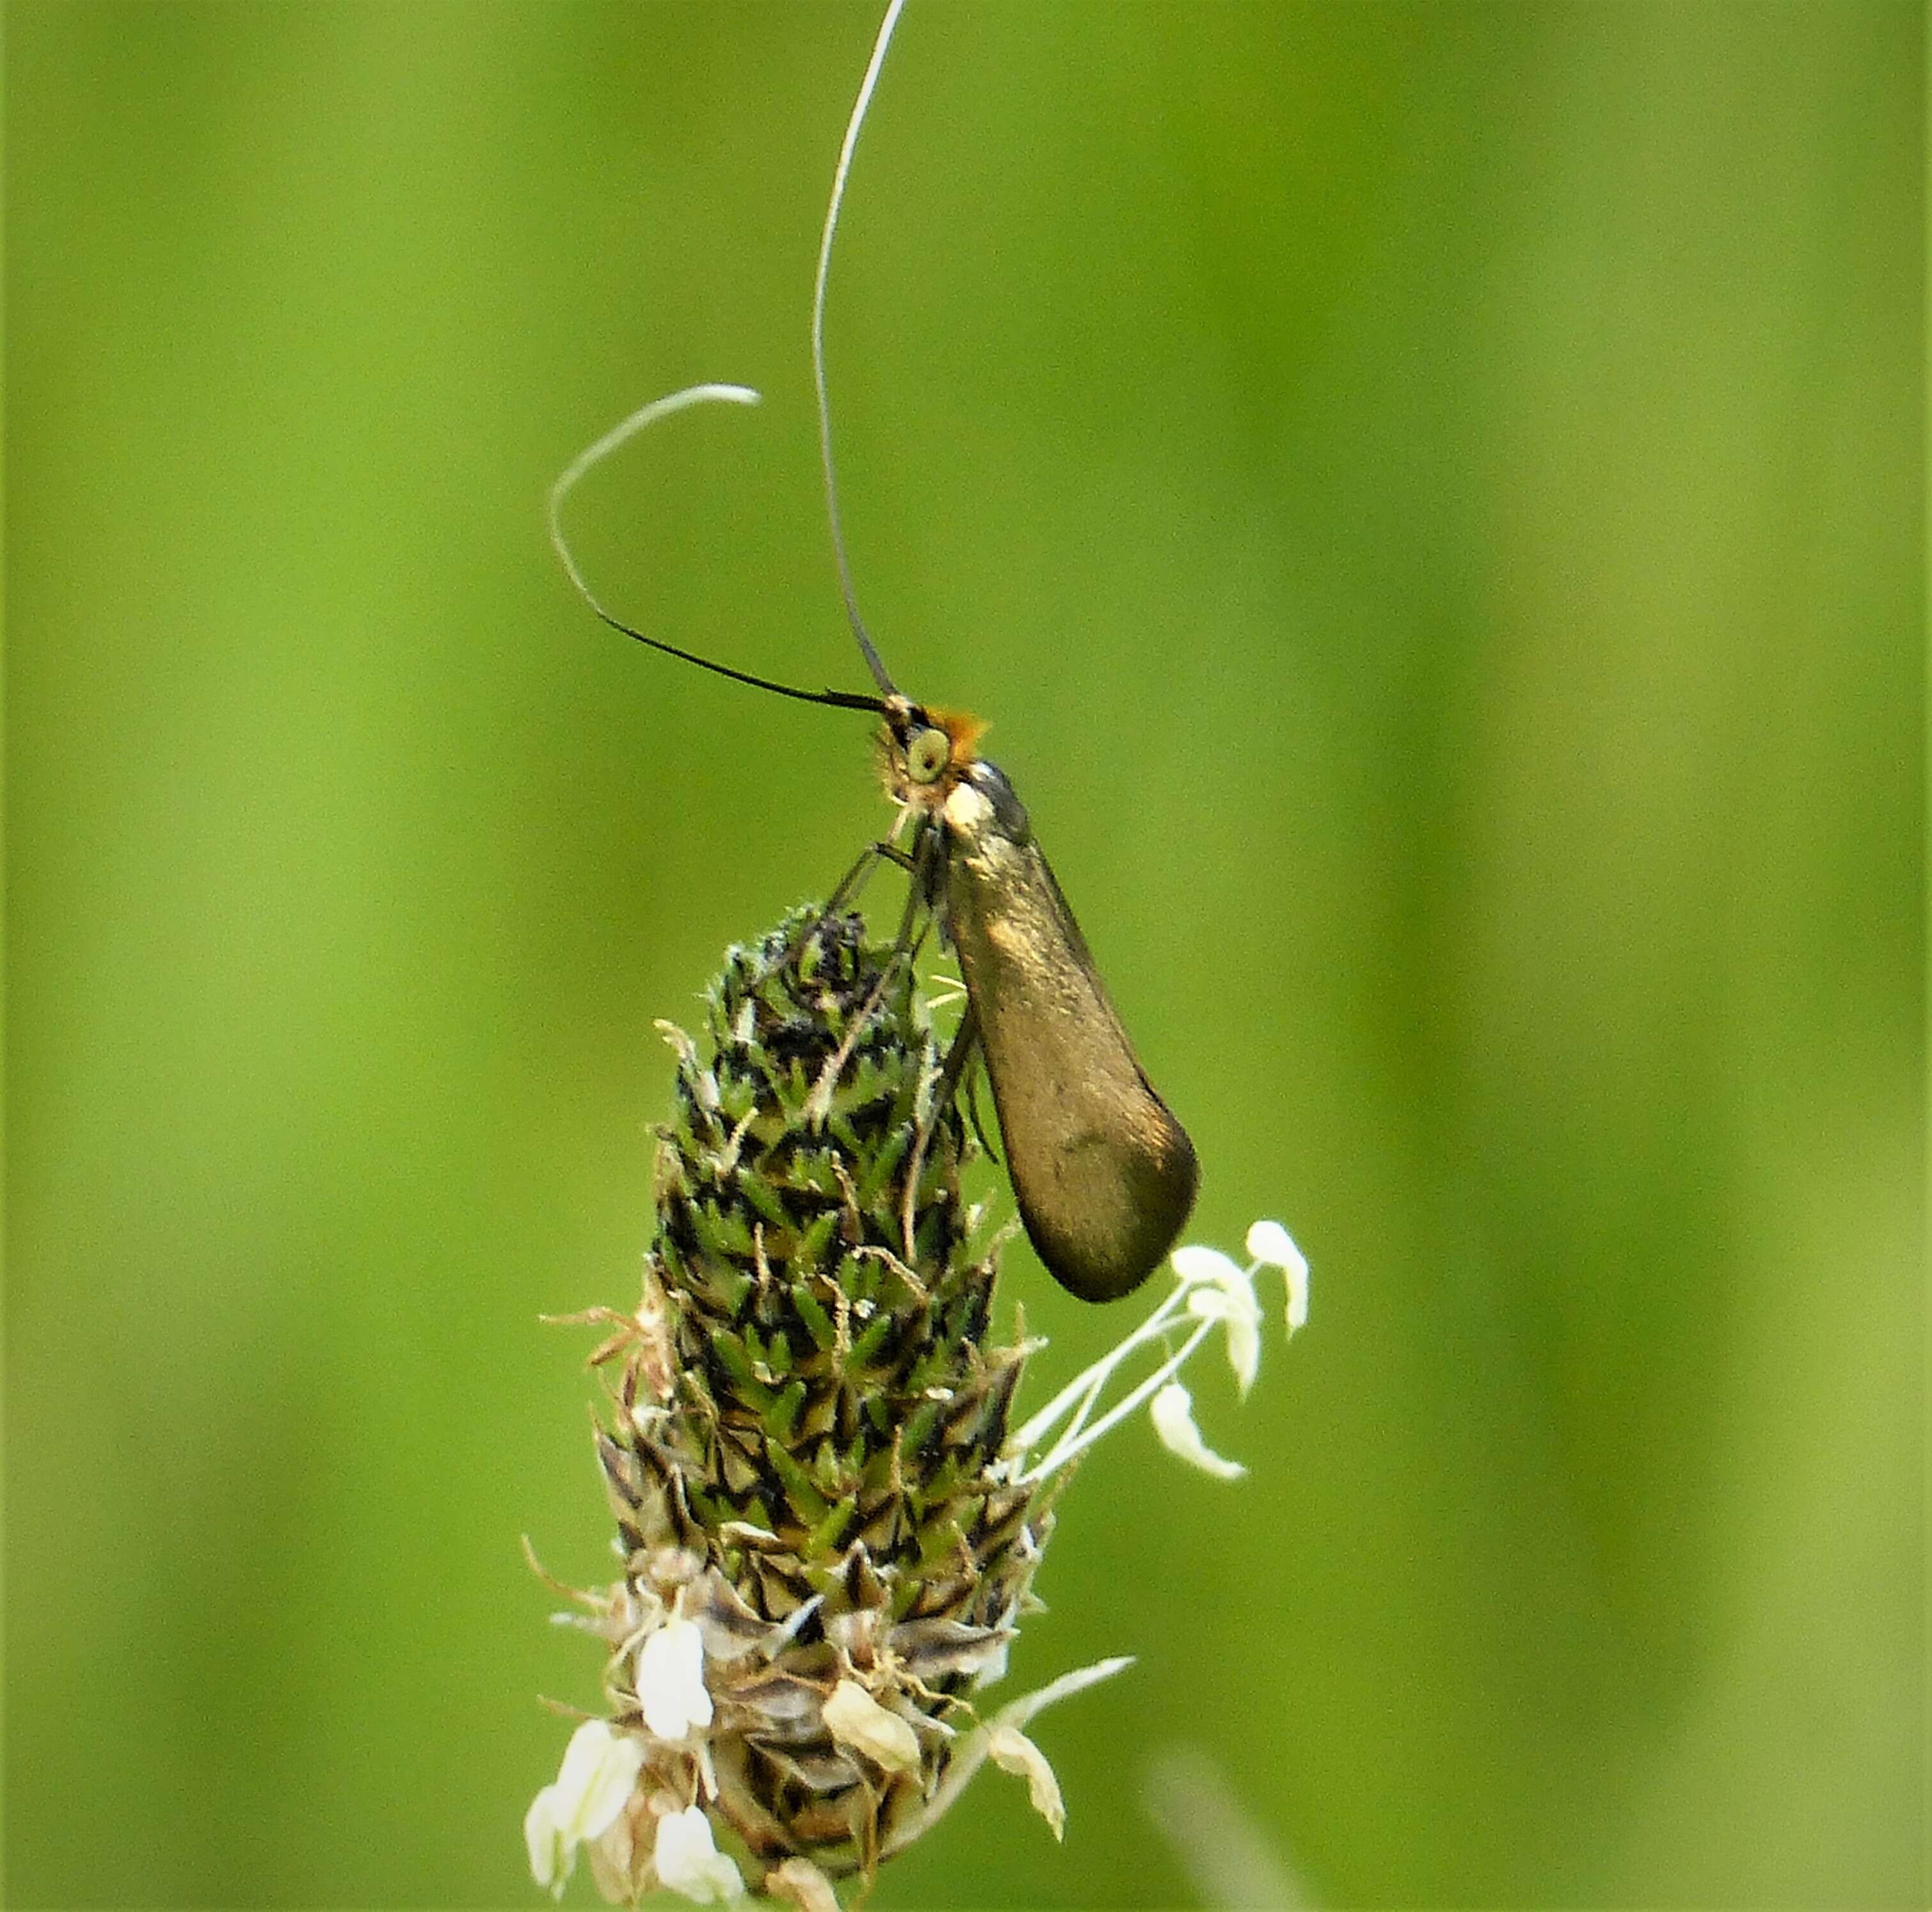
(1006, 1727)
(1198, 1265)
(1271, 1245)
(687, 1859)
(670, 1680)
(1211, 1292)
(1173, 1413)
(1011, 1751)
(1269, 1242)
(1223, 1292)
(599, 1769)
(854, 1719)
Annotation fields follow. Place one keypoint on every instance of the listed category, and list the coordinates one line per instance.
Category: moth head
(924, 752)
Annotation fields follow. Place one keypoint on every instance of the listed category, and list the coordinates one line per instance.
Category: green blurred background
(1432, 497)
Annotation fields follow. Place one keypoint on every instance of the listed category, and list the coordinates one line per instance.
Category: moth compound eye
(928, 754)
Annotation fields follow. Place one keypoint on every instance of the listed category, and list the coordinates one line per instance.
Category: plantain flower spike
(827, 1527)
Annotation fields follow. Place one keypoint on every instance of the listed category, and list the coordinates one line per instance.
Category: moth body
(1104, 1176)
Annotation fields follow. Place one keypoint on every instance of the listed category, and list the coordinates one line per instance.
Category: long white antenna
(845, 152)
(641, 420)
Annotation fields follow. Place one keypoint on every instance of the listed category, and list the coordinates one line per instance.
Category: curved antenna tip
(625, 429)
(644, 416)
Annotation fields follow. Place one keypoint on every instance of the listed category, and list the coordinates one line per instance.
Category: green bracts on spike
(806, 1413)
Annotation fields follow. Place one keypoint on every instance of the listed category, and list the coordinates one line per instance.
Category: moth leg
(848, 887)
(953, 1070)
(843, 892)
(965, 1041)
(976, 1118)
(959, 1073)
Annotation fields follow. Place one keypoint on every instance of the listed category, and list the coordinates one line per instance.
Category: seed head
(828, 1530)
(818, 1564)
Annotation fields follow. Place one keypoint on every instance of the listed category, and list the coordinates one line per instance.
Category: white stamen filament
(1079, 1437)
(1085, 1389)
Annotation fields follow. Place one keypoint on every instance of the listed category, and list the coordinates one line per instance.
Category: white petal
(970, 1753)
(600, 1767)
(1194, 1263)
(608, 1796)
(1237, 1308)
(589, 1746)
(1012, 1752)
(551, 1856)
(1297, 1296)
(687, 1859)
(1220, 1275)
(1269, 1242)
(798, 1882)
(1244, 1348)
(854, 1719)
(670, 1679)
(1271, 1245)
(611, 1795)
(1173, 1413)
